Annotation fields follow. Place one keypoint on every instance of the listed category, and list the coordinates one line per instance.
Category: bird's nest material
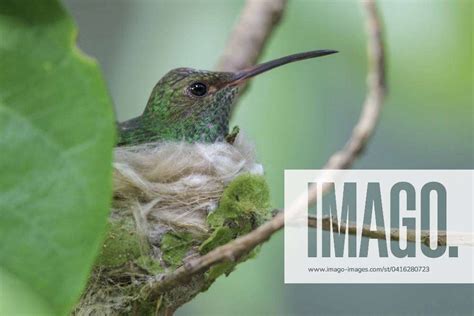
(172, 201)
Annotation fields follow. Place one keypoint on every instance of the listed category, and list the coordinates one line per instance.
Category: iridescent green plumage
(179, 110)
(174, 113)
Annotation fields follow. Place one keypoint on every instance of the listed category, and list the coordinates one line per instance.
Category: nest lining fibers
(175, 185)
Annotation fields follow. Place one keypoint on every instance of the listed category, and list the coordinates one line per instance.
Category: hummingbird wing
(132, 132)
(129, 124)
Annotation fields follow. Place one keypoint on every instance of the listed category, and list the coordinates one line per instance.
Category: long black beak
(245, 74)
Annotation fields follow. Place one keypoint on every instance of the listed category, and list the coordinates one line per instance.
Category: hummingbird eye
(198, 89)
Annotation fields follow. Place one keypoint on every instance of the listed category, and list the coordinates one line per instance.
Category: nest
(177, 184)
(172, 201)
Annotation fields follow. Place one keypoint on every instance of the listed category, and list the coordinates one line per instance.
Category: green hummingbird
(194, 105)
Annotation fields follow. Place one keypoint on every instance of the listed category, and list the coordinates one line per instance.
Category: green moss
(244, 205)
(219, 269)
(150, 265)
(122, 244)
(219, 237)
(246, 196)
(175, 245)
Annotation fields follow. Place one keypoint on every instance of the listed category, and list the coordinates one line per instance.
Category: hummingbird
(195, 105)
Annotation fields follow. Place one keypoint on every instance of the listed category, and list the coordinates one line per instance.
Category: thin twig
(329, 223)
(251, 33)
(340, 160)
(369, 118)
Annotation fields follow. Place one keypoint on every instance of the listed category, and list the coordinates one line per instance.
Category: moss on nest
(122, 244)
(247, 196)
(244, 205)
(175, 246)
(129, 264)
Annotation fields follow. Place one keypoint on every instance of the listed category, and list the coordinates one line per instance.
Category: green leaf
(19, 299)
(56, 140)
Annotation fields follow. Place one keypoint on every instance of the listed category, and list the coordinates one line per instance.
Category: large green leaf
(56, 139)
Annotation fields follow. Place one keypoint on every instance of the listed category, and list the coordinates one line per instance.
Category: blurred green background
(299, 114)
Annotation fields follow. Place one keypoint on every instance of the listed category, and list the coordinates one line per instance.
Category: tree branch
(328, 223)
(340, 160)
(251, 33)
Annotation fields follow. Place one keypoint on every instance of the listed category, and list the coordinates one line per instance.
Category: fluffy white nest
(174, 185)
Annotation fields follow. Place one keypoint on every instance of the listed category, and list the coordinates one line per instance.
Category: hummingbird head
(191, 104)
(195, 105)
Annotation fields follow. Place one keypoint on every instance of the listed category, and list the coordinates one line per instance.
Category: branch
(375, 94)
(340, 160)
(251, 33)
(328, 223)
